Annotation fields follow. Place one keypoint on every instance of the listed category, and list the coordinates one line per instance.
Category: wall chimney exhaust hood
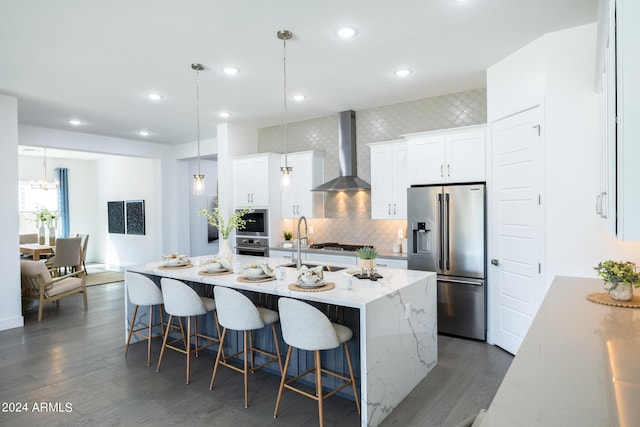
(347, 181)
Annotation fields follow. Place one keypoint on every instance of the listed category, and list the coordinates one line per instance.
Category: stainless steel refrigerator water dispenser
(421, 237)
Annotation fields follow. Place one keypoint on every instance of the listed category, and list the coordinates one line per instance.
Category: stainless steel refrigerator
(447, 234)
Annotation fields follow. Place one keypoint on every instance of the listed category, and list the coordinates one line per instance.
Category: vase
(52, 236)
(620, 291)
(224, 251)
(41, 234)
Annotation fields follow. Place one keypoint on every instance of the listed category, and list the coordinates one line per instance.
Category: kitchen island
(576, 365)
(394, 323)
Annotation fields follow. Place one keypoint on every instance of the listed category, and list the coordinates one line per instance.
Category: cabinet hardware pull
(389, 208)
(394, 209)
(448, 170)
(441, 171)
(603, 206)
(598, 209)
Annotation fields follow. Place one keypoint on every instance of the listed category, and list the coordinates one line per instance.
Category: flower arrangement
(225, 228)
(615, 272)
(45, 216)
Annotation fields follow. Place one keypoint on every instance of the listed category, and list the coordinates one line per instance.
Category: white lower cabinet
(392, 263)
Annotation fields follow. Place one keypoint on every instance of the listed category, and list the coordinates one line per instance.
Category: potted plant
(620, 277)
(287, 235)
(367, 258)
(225, 228)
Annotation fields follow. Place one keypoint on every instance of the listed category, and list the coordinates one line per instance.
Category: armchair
(38, 284)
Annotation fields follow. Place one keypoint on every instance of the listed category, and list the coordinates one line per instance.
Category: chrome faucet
(298, 261)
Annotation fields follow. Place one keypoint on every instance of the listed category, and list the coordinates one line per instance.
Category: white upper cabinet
(446, 156)
(307, 173)
(255, 180)
(389, 180)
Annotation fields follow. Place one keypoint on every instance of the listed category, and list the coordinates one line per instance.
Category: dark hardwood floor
(70, 370)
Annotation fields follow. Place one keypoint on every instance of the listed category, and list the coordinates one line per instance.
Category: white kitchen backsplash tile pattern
(347, 215)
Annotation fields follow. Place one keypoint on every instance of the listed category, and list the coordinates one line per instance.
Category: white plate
(311, 285)
(216, 270)
(173, 264)
(261, 276)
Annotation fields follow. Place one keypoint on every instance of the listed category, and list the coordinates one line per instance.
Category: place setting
(256, 273)
(216, 267)
(311, 280)
(175, 262)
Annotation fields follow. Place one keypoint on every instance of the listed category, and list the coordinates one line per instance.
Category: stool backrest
(180, 299)
(236, 311)
(142, 290)
(306, 327)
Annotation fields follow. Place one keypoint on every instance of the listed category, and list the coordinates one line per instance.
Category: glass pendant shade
(198, 185)
(285, 183)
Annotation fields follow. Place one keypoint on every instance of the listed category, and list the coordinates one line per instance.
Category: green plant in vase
(217, 220)
(620, 277)
(367, 259)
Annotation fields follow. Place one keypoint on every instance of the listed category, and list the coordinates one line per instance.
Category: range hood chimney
(347, 181)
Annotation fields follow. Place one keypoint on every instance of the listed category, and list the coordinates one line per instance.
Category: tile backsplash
(347, 215)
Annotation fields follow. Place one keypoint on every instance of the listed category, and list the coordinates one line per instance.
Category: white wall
(557, 71)
(10, 305)
(127, 178)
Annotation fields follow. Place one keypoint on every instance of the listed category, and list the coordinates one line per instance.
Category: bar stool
(237, 312)
(182, 301)
(307, 328)
(142, 291)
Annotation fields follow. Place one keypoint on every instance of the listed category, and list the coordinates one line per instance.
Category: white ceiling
(96, 60)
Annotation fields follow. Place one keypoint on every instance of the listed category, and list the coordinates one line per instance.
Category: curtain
(63, 200)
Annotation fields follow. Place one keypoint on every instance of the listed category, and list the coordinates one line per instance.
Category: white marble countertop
(576, 365)
(363, 292)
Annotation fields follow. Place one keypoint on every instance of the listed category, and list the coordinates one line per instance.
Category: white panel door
(518, 225)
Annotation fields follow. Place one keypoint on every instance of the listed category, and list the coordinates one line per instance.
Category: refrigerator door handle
(446, 232)
(441, 242)
(462, 282)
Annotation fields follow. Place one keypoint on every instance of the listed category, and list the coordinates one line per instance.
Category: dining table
(35, 250)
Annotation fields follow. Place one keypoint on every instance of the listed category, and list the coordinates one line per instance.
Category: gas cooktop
(332, 246)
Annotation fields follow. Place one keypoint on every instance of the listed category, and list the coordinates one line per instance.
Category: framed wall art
(135, 217)
(115, 217)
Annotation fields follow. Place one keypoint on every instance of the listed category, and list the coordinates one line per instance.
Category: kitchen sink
(324, 267)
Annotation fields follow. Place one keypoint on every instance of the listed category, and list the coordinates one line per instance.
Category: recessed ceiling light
(299, 97)
(224, 114)
(144, 133)
(403, 72)
(231, 71)
(154, 96)
(346, 32)
(75, 122)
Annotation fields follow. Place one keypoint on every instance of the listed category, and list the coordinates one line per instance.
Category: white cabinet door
(389, 180)
(465, 157)
(426, 160)
(447, 156)
(307, 173)
(254, 180)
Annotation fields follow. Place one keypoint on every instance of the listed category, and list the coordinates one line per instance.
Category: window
(31, 200)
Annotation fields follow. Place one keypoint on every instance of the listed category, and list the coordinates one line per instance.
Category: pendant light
(43, 184)
(285, 184)
(198, 179)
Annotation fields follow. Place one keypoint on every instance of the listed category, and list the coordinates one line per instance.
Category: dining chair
(238, 313)
(84, 240)
(307, 328)
(68, 255)
(38, 284)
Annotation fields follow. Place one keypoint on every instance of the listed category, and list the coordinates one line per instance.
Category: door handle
(495, 262)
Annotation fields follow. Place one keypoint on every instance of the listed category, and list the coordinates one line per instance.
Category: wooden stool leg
(275, 342)
(282, 380)
(220, 353)
(133, 321)
(246, 371)
(150, 335)
(316, 357)
(188, 348)
(164, 343)
(353, 379)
